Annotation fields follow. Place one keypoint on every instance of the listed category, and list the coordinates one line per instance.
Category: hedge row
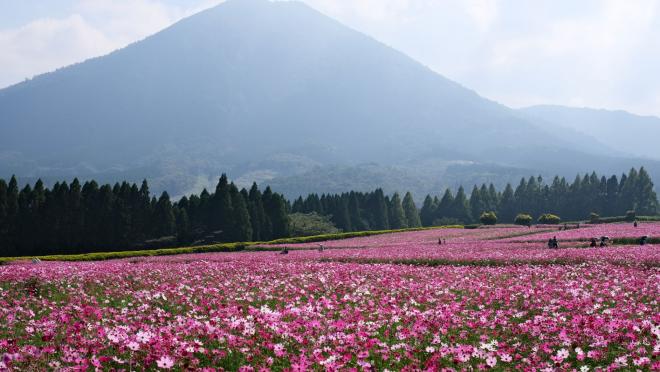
(221, 247)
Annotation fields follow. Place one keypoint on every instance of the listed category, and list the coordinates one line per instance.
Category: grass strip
(220, 247)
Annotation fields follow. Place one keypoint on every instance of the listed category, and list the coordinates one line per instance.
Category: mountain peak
(257, 89)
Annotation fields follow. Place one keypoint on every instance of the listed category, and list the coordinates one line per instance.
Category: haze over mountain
(277, 93)
(630, 133)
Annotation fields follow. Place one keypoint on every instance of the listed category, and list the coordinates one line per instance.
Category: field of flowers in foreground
(304, 311)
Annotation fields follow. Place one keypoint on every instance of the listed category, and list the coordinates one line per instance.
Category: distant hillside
(633, 134)
(267, 92)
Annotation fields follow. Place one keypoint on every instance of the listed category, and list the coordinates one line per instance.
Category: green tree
(461, 207)
(478, 201)
(397, 216)
(646, 200)
(410, 209)
(379, 214)
(275, 209)
(428, 212)
(164, 216)
(221, 208)
(549, 219)
(488, 218)
(257, 214)
(309, 224)
(4, 221)
(508, 204)
(240, 227)
(446, 205)
(523, 219)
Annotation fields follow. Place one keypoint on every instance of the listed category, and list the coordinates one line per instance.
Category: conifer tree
(4, 221)
(257, 214)
(241, 229)
(164, 216)
(477, 203)
(397, 216)
(411, 212)
(646, 200)
(446, 205)
(428, 212)
(460, 207)
(275, 209)
(493, 198)
(340, 215)
(379, 214)
(358, 223)
(508, 205)
(221, 208)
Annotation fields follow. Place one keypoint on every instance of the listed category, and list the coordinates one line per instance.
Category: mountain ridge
(238, 88)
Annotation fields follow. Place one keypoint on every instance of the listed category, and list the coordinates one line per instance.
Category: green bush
(472, 226)
(523, 219)
(488, 218)
(594, 217)
(631, 216)
(549, 219)
(310, 224)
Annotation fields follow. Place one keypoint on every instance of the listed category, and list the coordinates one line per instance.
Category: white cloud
(601, 53)
(94, 28)
(46, 44)
(484, 13)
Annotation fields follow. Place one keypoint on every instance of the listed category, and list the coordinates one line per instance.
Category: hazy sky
(596, 53)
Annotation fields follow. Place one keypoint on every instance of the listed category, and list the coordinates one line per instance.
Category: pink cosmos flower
(491, 361)
(165, 362)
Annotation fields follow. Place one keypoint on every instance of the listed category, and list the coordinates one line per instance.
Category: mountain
(278, 93)
(630, 133)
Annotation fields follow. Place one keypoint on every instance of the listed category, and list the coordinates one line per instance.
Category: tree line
(613, 196)
(76, 218)
(359, 211)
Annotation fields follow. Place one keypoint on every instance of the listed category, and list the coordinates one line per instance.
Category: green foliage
(594, 217)
(445, 221)
(427, 214)
(310, 224)
(75, 218)
(397, 216)
(221, 247)
(618, 219)
(631, 215)
(411, 212)
(550, 219)
(488, 218)
(523, 219)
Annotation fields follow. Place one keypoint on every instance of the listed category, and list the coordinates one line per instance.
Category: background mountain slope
(630, 133)
(278, 93)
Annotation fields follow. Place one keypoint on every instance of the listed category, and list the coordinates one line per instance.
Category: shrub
(472, 226)
(488, 218)
(311, 224)
(523, 219)
(549, 219)
(594, 217)
(631, 216)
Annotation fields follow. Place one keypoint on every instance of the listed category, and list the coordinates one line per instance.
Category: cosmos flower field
(494, 298)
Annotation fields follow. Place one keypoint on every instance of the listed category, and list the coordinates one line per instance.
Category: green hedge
(616, 219)
(221, 247)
